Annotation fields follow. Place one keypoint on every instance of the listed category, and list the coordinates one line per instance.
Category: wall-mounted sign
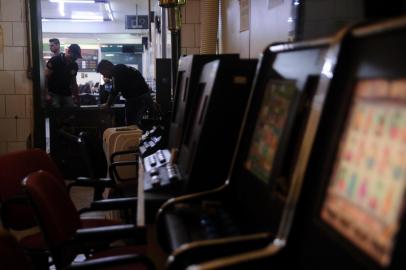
(136, 22)
(244, 15)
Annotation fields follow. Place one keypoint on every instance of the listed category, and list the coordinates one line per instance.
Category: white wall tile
(1, 60)
(8, 131)
(193, 12)
(28, 106)
(11, 10)
(7, 82)
(25, 57)
(13, 58)
(23, 128)
(2, 106)
(193, 50)
(23, 18)
(15, 106)
(23, 85)
(188, 35)
(7, 33)
(16, 146)
(197, 35)
(13, 63)
(19, 34)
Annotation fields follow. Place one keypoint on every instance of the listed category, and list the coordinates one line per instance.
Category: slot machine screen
(194, 115)
(178, 109)
(365, 194)
(272, 117)
(180, 88)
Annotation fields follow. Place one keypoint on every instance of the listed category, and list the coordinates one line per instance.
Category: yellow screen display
(367, 186)
(269, 127)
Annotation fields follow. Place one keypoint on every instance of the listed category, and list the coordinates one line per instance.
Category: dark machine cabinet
(163, 84)
(67, 152)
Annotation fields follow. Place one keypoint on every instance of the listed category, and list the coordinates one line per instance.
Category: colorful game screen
(367, 187)
(269, 127)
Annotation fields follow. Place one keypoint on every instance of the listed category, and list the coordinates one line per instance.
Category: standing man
(132, 85)
(60, 73)
(105, 89)
(55, 46)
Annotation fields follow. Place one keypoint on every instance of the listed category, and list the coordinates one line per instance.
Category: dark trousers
(135, 109)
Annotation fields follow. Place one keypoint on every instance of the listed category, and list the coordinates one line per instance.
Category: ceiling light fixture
(73, 1)
(80, 16)
(79, 1)
(61, 9)
(86, 16)
(109, 11)
(72, 20)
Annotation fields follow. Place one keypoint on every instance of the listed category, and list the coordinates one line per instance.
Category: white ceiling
(120, 8)
(95, 32)
(67, 10)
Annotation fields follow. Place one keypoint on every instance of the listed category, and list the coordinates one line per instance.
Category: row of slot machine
(295, 160)
(210, 100)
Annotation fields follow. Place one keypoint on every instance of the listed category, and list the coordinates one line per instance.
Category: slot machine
(211, 133)
(151, 148)
(245, 213)
(361, 169)
(350, 211)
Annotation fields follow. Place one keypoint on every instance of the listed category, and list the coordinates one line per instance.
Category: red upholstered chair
(12, 257)
(15, 213)
(63, 229)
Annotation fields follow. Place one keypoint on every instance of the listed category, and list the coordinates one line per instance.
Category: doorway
(122, 31)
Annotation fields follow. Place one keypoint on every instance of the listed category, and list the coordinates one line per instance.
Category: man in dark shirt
(54, 46)
(61, 73)
(132, 85)
(104, 90)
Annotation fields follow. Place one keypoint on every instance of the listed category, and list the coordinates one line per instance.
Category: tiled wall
(15, 87)
(190, 35)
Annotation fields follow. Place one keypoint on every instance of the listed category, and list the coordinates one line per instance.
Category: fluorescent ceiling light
(109, 11)
(86, 20)
(72, 20)
(73, 1)
(88, 10)
(80, 15)
(61, 9)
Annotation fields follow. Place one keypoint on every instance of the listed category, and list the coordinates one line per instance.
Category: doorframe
(37, 71)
